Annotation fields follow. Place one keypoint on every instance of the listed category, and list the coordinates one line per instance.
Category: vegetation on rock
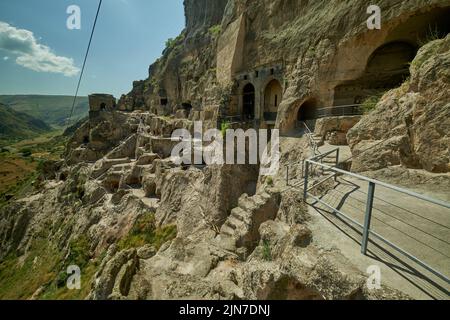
(145, 232)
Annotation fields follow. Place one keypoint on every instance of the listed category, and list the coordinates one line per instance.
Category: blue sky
(39, 55)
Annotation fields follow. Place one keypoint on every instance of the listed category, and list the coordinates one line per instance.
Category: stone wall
(101, 102)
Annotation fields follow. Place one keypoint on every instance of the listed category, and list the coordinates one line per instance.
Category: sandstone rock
(334, 129)
(115, 275)
(410, 124)
(146, 252)
(269, 253)
(337, 138)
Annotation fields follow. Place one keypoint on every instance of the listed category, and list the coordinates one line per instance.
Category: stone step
(121, 167)
(239, 214)
(265, 196)
(259, 200)
(235, 223)
(226, 230)
(246, 203)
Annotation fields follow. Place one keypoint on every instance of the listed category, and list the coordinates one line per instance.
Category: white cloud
(31, 54)
(5, 58)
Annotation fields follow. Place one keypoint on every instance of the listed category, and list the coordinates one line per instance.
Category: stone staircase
(241, 229)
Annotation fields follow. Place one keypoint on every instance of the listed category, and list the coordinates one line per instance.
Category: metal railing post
(287, 175)
(305, 185)
(337, 163)
(368, 218)
(337, 156)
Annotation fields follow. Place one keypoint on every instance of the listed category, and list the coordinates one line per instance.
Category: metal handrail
(312, 143)
(344, 110)
(384, 184)
(342, 106)
(369, 206)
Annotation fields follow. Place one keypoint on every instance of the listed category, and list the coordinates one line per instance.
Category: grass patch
(371, 102)
(21, 278)
(267, 251)
(17, 176)
(79, 252)
(145, 232)
(45, 268)
(56, 291)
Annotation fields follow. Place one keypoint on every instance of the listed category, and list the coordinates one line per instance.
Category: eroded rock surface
(410, 125)
(118, 204)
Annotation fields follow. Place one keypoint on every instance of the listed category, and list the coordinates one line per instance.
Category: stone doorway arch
(273, 94)
(307, 113)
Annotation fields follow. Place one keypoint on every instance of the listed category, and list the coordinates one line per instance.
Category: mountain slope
(53, 110)
(18, 125)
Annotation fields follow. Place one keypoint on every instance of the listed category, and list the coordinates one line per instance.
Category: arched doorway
(248, 102)
(307, 114)
(307, 110)
(273, 95)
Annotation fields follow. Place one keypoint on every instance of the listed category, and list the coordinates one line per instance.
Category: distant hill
(18, 125)
(53, 110)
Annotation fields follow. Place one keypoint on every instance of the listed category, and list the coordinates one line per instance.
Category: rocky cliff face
(142, 227)
(410, 125)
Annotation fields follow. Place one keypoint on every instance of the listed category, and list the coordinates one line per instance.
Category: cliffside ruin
(224, 231)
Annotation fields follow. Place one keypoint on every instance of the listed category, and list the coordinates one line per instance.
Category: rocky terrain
(141, 227)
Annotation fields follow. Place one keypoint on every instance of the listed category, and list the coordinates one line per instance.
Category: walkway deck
(420, 228)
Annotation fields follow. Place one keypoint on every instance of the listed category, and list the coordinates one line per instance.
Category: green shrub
(371, 102)
(215, 30)
(170, 43)
(79, 253)
(269, 181)
(224, 127)
(144, 231)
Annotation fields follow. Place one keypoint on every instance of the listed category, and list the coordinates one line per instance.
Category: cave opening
(103, 106)
(248, 102)
(307, 110)
(388, 65)
(187, 106)
(388, 68)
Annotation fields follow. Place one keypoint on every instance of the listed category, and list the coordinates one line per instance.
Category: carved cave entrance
(307, 114)
(248, 102)
(388, 66)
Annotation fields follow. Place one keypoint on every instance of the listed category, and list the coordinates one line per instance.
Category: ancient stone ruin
(309, 69)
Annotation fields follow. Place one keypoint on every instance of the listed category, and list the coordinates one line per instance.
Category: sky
(40, 55)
